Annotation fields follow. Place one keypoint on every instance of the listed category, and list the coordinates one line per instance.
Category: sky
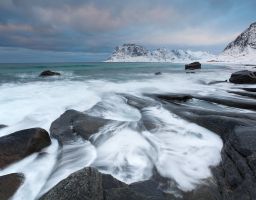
(89, 30)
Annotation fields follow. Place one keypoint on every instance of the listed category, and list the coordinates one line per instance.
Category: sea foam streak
(179, 150)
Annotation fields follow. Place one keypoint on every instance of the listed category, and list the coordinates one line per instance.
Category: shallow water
(178, 150)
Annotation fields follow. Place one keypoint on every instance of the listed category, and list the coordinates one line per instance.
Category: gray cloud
(97, 26)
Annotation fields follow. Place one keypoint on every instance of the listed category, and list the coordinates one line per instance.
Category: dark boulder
(72, 123)
(2, 126)
(192, 66)
(18, 145)
(9, 184)
(49, 73)
(243, 77)
(158, 73)
(85, 184)
(90, 184)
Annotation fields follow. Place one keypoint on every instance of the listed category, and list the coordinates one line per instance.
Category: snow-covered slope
(242, 49)
(137, 53)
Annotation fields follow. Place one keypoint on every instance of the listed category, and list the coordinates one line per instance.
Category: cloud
(191, 36)
(97, 26)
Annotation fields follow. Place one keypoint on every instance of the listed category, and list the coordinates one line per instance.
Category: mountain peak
(253, 25)
(244, 42)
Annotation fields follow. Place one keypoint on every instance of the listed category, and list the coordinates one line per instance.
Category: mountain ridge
(130, 52)
(242, 50)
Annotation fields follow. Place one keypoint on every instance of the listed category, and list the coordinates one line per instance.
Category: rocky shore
(233, 179)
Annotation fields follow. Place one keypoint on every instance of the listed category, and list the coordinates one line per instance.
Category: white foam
(36, 171)
(74, 156)
(125, 156)
(186, 151)
(37, 104)
(179, 150)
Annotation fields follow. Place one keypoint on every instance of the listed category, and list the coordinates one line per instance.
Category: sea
(179, 150)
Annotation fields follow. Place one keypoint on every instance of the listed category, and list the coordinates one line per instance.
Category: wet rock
(236, 174)
(85, 184)
(217, 82)
(234, 178)
(245, 94)
(49, 73)
(175, 97)
(109, 182)
(72, 123)
(20, 144)
(249, 89)
(89, 184)
(158, 73)
(138, 102)
(2, 126)
(193, 66)
(145, 190)
(9, 184)
(232, 102)
(250, 65)
(243, 77)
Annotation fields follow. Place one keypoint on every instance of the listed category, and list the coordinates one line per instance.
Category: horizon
(88, 31)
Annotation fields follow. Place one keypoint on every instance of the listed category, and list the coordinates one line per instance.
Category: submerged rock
(49, 73)
(192, 66)
(9, 184)
(243, 77)
(175, 97)
(158, 73)
(2, 126)
(236, 174)
(20, 144)
(234, 178)
(245, 94)
(249, 89)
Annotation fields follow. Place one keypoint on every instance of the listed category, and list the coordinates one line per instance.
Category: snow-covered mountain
(242, 49)
(138, 53)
